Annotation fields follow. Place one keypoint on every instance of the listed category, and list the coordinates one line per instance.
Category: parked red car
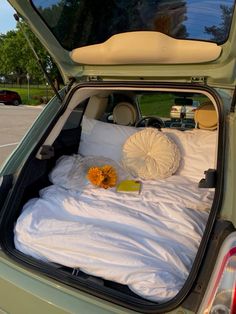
(10, 98)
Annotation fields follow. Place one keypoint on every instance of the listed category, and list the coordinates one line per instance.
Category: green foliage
(17, 59)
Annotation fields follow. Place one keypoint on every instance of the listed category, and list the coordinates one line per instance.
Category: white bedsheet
(146, 241)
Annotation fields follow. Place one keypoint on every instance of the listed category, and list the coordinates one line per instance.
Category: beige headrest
(124, 114)
(96, 106)
(206, 117)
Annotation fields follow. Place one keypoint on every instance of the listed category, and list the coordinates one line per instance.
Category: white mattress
(146, 241)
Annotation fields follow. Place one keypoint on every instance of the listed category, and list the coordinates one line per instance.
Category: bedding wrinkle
(147, 242)
(128, 213)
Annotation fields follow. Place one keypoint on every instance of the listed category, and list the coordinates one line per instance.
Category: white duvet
(147, 241)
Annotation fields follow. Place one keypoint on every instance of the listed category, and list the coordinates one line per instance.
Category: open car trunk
(142, 251)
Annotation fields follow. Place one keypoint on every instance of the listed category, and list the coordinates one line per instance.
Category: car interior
(134, 249)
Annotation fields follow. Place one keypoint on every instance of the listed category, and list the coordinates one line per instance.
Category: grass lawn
(156, 104)
(35, 94)
(160, 104)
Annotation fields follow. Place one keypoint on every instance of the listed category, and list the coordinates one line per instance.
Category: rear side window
(80, 23)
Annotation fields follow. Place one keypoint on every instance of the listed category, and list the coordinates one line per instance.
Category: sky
(7, 21)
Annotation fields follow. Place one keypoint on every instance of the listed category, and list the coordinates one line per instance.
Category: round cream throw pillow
(150, 154)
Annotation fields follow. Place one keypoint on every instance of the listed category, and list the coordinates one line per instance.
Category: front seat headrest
(206, 117)
(124, 114)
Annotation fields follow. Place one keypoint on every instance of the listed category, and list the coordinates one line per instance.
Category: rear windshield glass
(77, 23)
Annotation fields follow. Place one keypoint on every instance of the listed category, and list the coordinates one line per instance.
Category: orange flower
(104, 177)
(95, 175)
(110, 177)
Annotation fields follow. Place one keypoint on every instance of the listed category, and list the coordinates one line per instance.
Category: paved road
(14, 122)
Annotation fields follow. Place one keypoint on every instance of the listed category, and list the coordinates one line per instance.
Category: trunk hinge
(94, 78)
(198, 80)
(70, 83)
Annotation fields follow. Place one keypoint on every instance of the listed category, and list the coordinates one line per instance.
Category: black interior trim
(233, 103)
(5, 186)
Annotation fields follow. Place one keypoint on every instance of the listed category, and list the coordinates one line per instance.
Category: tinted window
(77, 23)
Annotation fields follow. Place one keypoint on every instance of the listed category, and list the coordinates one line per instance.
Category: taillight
(174, 109)
(220, 297)
(194, 109)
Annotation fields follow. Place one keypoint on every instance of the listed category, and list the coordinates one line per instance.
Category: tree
(17, 59)
(219, 33)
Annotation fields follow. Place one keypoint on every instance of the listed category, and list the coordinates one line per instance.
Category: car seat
(124, 113)
(96, 106)
(206, 117)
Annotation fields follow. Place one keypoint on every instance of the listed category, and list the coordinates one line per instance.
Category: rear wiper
(50, 82)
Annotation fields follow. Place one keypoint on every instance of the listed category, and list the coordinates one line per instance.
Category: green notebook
(129, 186)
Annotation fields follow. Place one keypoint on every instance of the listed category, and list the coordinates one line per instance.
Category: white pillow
(103, 139)
(197, 147)
(198, 151)
(149, 154)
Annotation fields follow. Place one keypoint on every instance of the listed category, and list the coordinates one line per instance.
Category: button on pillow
(150, 154)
